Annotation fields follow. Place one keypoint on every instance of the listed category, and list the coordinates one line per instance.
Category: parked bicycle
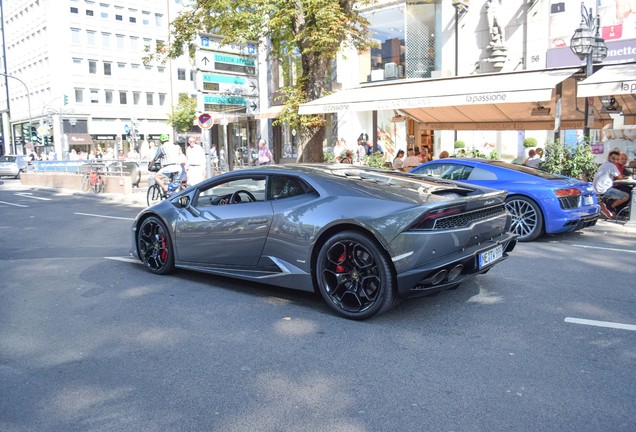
(92, 179)
(178, 182)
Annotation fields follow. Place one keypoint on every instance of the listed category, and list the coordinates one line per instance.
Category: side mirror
(184, 203)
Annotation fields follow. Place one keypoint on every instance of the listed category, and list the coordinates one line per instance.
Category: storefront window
(404, 42)
(386, 58)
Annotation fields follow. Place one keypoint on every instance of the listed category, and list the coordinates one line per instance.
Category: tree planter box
(112, 184)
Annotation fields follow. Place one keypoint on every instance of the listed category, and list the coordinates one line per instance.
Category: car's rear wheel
(155, 246)
(354, 276)
(527, 219)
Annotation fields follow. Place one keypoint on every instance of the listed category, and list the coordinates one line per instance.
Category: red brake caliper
(164, 250)
(341, 268)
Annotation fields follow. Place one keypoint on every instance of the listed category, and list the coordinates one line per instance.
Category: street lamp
(588, 44)
(28, 101)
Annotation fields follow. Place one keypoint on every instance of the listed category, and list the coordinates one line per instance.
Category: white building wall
(526, 42)
(49, 47)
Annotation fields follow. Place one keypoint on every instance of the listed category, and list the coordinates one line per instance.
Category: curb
(612, 226)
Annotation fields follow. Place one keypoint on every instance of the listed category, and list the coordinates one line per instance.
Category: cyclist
(170, 156)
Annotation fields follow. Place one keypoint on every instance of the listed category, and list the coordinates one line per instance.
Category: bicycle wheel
(154, 195)
(98, 187)
(623, 214)
(86, 183)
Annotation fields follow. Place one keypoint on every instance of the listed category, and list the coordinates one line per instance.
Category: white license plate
(588, 200)
(490, 256)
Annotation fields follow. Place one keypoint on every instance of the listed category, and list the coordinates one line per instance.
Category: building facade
(486, 72)
(84, 84)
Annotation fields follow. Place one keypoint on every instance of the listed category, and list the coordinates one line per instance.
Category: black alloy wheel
(527, 219)
(354, 276)
(154, 246)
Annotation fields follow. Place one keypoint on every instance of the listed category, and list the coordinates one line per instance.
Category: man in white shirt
(196, 161)
(604, 185)
(411, 160)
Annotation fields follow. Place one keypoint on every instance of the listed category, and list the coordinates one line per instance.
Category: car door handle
(257, 221)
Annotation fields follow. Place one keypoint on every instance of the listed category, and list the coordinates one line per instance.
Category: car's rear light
(569, 192)
(428, 220)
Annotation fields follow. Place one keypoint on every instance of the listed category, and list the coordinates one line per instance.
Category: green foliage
(474, 153)
(493, 155)
(530, 142)
(578, 163)
(376, 160)
(183, 115)
(329, 157)
(305, 38)
(459, 144)
(581, 164)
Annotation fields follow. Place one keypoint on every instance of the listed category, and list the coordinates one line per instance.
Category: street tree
(304, 35)
(183, 115)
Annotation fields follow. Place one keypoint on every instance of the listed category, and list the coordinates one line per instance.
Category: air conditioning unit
(377, 75)
(393, 71)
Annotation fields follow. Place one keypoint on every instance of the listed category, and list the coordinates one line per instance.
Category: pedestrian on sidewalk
(196, 161)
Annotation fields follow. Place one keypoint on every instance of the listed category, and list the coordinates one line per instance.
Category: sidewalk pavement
(138, 198)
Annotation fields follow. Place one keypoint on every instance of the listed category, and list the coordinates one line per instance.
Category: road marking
(30, 195)
(601, 324)
(124, 259)
(605, 248)
(17, 205)
(103, 216)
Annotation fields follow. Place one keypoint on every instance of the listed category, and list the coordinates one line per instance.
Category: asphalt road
(90, 341)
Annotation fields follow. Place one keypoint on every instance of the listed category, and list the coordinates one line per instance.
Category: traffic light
(35, 137)
(65, 100)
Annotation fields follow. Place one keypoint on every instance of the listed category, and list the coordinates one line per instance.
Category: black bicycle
(178, 182)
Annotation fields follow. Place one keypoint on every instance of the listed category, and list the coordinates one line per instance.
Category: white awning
(613, 89)
(269, 112)
(492, 89)
(611, 80)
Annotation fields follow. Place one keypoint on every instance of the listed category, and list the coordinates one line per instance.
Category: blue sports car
(539, 202)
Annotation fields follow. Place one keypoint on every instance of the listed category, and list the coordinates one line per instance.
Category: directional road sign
(229, 104)
(228, 84)
(211, 42)
(214, 61)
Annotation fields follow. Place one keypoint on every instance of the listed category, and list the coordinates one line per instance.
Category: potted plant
(530, 142)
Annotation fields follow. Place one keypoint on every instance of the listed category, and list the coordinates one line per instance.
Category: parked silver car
(13, 165)
(361, 237)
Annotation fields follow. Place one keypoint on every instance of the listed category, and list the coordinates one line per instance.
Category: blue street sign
(205, 41)
(126, 129)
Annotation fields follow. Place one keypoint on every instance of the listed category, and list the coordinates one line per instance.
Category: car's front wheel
(527, 219)
(354, 276)
(155, 246)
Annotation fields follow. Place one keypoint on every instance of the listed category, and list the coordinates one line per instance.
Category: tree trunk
(316, 68)
(310, 150)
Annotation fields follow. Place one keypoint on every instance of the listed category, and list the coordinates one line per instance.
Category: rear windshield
(7, 159)
(524, 169)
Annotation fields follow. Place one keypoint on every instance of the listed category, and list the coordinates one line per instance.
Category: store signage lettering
(234, 60)
(486, 97)
(628, 86)
(223, 100)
